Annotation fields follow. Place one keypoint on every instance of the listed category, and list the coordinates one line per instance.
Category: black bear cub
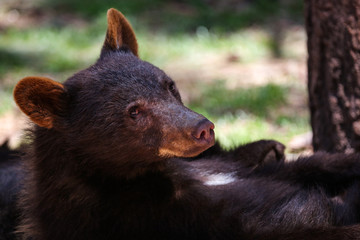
(113, 156)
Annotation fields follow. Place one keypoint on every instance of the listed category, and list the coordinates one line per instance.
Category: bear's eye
(134, 112)
(172, 87)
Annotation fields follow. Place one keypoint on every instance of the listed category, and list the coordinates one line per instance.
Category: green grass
(233, 130)
(6, 100)
(59, 51)
(249, 45)
(46, 49)
(216, 100)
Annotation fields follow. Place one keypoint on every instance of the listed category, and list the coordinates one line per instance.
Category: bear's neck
(54, 156)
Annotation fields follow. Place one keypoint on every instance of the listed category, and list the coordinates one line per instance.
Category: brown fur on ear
(119, 32)
(40, 98)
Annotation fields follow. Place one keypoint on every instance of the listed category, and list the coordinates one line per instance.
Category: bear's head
(119, 108)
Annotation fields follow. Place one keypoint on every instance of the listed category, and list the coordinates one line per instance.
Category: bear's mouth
(187, 147)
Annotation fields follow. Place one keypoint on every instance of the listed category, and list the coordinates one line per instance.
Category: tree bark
(333, 29)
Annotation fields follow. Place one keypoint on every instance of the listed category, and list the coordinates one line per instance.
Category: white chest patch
(219, 179)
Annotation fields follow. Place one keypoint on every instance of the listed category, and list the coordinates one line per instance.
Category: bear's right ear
(119, 33)
(40, 98)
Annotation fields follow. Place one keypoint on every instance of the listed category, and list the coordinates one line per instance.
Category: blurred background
(241, 63)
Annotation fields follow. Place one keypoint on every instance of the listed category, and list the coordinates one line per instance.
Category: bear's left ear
(119, 33)
(41, 99)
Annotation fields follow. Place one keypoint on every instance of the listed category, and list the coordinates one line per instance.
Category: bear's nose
(204, 131)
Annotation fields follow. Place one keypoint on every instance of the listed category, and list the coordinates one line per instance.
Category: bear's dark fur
(10, 179)
(107, 161)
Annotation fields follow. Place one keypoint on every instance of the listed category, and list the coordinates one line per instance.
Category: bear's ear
(42, 99)
(119, 33)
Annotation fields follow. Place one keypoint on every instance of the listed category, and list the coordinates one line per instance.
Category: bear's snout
(204, 132)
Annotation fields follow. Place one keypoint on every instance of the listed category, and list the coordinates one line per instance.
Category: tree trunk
(333, 29)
